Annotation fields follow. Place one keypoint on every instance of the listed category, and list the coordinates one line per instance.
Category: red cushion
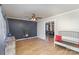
(78, 45)
(58, 38)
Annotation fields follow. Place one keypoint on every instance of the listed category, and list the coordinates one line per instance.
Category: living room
(24, 29)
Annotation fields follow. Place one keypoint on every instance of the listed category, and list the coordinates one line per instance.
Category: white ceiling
(43, 10)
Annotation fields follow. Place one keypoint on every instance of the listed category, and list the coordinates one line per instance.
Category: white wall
(41, 27)
(68, 21)
(41, 30)
(2, 32)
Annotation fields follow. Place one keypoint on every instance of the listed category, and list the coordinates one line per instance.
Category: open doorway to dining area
(49, 29)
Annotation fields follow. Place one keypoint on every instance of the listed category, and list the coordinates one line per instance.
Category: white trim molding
(26, 38)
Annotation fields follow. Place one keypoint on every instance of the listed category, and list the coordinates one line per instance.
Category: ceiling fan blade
(33, 17)
(39, 17)
(28, 17)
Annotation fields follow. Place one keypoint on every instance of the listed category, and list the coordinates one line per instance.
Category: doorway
(49, 30)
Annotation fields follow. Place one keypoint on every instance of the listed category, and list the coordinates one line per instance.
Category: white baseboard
(41, 38)
(31, 38)
(26, 38)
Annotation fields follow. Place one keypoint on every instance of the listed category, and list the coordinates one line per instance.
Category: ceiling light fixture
(33, 19)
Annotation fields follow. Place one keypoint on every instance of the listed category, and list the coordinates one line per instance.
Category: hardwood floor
(37, 46)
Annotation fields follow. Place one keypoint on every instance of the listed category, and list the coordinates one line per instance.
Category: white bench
(69, 39)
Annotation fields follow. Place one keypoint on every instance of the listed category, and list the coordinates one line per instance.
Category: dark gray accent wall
(17, 28)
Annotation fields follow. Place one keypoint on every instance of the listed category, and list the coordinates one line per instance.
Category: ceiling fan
(34, 17)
